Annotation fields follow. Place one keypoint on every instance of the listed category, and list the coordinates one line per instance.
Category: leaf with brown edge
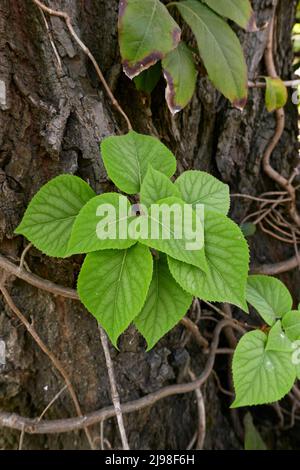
(147, 32)
(181, 75)
(239, 11)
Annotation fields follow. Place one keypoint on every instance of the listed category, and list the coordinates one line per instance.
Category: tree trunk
(54, 113)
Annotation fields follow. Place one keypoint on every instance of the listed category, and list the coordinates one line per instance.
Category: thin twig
(36, 281)
(201, 415)
(56, 363)
(21, 441)
(56, 397)
(193, 328)
(114, 390)
(276, 268)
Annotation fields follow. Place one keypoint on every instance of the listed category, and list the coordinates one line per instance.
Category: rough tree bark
(52, 122)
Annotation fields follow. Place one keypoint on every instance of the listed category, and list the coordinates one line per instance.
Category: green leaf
(157, 186)
(291, 324)
(248, 229)
(219, 49)
(269, 297)
(165, 305)
(276, 94)
(102, 224)
(48, 220)
(113, 286)
(260, 376)
(198, 187)
(227, 258)
(126, 159)
(148, 79)
(239, 11)
(253, 440)
(167, 231)
(147, 32)
(181, 75)
(277, 340)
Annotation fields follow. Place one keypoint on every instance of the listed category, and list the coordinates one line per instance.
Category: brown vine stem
(56, 363)
(31, 426)
(280, 124)
(114, 390)
(276, 268)
(87, 52)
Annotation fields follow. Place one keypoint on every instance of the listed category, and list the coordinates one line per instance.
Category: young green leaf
(269, 297)
(126, 159)
(239, 11)
(276, 94)
(113, 286)
(219, 49)
(147, 32)
(291, 324)
(253, 440)
(260, 376)
(248, 229)
(148, 79)
(49, 218)
(198, 187)
(227, 258)
(277, 340)
(165, 305)
(181, 75)
(167, 231)
(156, 186)
(102, 224)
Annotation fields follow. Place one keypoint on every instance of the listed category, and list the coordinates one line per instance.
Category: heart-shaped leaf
(126, 159)
(260, 376)
(49, 218)
(113, 286)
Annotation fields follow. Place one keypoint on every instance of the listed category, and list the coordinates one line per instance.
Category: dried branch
(276, 268)
(36, 281)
